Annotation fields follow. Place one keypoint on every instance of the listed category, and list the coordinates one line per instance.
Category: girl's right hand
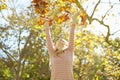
(48, 22)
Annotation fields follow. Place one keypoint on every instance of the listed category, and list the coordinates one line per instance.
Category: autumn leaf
(50, 22)
(65, 17)
(3, 6)
(62, 18)
(65, 8)
(41, 6)
(41, 22)
(83, 16)
(58, 20)
(68, 1)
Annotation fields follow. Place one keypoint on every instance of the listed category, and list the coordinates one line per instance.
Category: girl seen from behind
(61, 55)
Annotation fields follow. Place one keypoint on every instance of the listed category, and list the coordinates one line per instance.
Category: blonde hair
(60, 46)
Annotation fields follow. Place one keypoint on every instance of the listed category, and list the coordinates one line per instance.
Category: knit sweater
(61, 66)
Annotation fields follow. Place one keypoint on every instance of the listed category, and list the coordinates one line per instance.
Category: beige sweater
(61, 66)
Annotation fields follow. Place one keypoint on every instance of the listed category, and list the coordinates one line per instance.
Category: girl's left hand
(74, 17)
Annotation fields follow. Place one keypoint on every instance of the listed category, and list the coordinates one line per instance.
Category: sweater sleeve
(71, 38)
(49, 40)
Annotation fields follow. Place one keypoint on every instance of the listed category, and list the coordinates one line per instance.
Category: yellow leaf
(73, 10)
(59, 20)
(36, 27)
(3, 6)
(68, 0)
(43, 35)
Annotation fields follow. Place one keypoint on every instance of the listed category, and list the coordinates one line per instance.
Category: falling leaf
(41, 6)
(62, 18)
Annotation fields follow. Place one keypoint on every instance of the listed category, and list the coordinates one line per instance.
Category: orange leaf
(64, 9)
(83, 18)
(41, 22)
(62, 18)
(44, 11)
(40, 6)
(50, 22)
(61, 9)
(66, 17)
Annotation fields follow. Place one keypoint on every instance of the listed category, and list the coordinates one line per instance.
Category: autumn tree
(22, 46)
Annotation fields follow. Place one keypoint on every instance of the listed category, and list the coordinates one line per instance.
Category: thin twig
(107, 26)
(8, 54)
(111, 3)
(3, 16)
(95, 8)
(115, 32)
(22, 52)
(82, 9)
(106, 13)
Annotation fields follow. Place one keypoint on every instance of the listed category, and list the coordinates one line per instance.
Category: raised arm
(71, 37)
(72, 30)
(49, 39)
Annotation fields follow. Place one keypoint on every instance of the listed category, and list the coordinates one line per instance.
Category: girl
(61, 55)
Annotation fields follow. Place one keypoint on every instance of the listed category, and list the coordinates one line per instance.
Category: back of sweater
(61, 66)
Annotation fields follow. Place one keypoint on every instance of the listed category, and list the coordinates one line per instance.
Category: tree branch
(20, 58)
(115, 32)
(3, 16)
(10, 57)
(107, 26)
(82, 9)
(8, 54)
(108, 32)
(91, 19)
(95, 8)
(106, 13)
(111, 3)
(23, 50)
